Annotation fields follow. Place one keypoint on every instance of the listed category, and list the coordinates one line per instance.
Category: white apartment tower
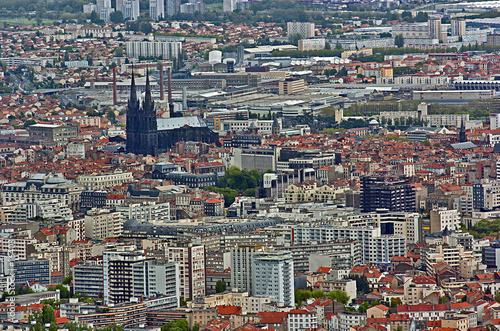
(241, 267)
(129, 8)
(305, 29)
(156, 9)
(104, 9)
(272, 275)
(434, 25)
(458, 26)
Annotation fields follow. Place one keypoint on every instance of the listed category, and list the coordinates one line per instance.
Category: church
(148, 135)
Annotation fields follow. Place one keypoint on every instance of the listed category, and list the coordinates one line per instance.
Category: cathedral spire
(133, 92)
(147, 104)
(462, 136)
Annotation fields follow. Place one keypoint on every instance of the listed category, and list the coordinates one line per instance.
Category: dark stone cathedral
(148, 135)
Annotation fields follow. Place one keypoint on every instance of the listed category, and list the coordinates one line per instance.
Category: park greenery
(485, 228)
(235, 182)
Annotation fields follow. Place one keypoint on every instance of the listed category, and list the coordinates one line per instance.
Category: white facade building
(156, 9)
(272, 275)
(164, 49)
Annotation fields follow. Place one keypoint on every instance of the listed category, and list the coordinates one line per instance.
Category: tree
(318, 294)
(220, 286)
(443, 299)
(67, 280)
(294, 38)
(116, 17)
(48, 315)
(395, 302)
(339, 296)
(176, 325)
(363, 307)
(399, 41)
(111, 116)
(119, 52)
(29, 123)
(362, 284)
(497, 296)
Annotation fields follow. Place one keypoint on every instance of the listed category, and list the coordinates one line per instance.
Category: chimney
(162, 92)
(184, 98)
(115, 97)
(169, 85)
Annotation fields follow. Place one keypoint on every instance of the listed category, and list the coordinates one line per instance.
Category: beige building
(248, 304)
(102, 223)
(443, 218)
(311, 192)
(456, 323)
(102, 181)
(292, 86)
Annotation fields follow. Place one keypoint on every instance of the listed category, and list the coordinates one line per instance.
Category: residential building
(88, 279)
(305, 29)
(301, 319)
(191, 261)
(272, 275)
(156, 9)
(241, 267)
(165, 50)
(102, 224)
(397, 195)
(129, 8)
(102, 181)
(443, 218)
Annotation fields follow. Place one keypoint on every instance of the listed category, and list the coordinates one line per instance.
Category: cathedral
(148, 135)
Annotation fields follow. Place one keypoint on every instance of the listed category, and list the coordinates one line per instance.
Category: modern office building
(396, 195)
(273, 276)
(32, 271)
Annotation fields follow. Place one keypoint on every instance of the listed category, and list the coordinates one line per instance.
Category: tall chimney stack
(162, 92)
(170, 84)
(115, 96)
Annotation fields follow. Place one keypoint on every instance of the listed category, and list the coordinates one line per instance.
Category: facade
(375, 248)
(147, 213)
(191, 259)
(32, 271)
(301, 319)
(129, 8)
(272, 275)
(88, 279)
(305, 29)
(101, 181)
(161, 49)
(173, 7)
(103, 9)
(102, 223)
(392, 195)
(444, 219)
(291, 86)
(434, 25)
(54, 132)
(458, 26)
(241, 267)
(311, 44)
(43, 187)
(156, 9)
